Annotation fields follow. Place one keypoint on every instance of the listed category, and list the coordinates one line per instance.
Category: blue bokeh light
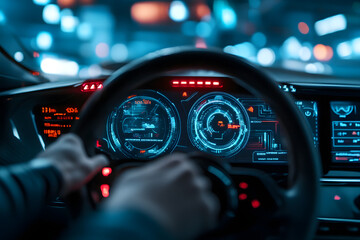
(225, 14)
(2, 17)
(203, 29)
(266, 57)
(344, 50)
(44, 40)
(84, 31)
(51, 14)
(178, 11)
(41, 2)
(259, 39)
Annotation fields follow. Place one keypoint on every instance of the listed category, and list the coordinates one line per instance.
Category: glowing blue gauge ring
(218, 124)
(144, 126)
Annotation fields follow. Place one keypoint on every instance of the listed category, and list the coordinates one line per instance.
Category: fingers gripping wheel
(301, 198)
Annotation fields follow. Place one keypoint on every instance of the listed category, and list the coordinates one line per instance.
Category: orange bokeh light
(66, 3)
(303, 28)
(202, 10)
(150, 12)
(323, 52)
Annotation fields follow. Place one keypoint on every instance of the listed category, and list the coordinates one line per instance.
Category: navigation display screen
(345, 121)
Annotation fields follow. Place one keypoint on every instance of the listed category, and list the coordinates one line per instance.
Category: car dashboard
(208, 113)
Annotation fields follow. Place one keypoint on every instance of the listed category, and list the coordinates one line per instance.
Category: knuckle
(176, 161)
(72, 138)
(187, 171)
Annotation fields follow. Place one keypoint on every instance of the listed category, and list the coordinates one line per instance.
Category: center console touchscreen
(345, 126)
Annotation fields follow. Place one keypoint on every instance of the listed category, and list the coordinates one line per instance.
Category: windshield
(76, 38)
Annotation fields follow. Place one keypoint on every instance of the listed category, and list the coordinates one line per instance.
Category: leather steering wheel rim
(304, 163)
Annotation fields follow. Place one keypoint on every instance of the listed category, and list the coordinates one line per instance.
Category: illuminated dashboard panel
(345, 119)
(185, 114)
(54, 120)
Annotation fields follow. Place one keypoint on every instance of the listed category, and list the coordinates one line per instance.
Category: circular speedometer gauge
(218, 124)
(144, 126)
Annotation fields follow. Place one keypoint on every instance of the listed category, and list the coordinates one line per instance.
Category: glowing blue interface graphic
(144, 126)
(345, 132)
(218, 124)
(266, 142)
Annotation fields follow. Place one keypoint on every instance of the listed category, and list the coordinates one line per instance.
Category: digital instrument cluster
(345, 119)
(239, 129)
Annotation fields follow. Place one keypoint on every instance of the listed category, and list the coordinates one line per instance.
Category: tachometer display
(218, 124)
(144, 126)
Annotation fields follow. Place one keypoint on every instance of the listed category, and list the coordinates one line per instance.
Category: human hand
(173, 191)
(68, 155)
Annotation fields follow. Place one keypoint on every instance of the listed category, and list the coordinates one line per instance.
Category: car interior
(263, 94)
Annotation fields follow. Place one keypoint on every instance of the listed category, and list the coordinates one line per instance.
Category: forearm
(24, 191)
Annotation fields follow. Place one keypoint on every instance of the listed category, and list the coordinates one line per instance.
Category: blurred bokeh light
(319, 37)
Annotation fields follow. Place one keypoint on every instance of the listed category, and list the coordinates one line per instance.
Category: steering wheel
(296, 205)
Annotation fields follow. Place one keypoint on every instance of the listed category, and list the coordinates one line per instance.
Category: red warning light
(105, 190)
(106, 171)
(243, 185)
(91, 86)
(243, 196)
(255, 203)
(184, 94)
(142, 151)
(337, 198)
(98, 144)
(250, 109)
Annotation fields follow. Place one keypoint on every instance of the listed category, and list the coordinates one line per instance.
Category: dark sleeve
(123, 224)
(24, 191)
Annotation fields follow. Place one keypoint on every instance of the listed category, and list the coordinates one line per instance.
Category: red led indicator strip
(197, 83)
(91, 86)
